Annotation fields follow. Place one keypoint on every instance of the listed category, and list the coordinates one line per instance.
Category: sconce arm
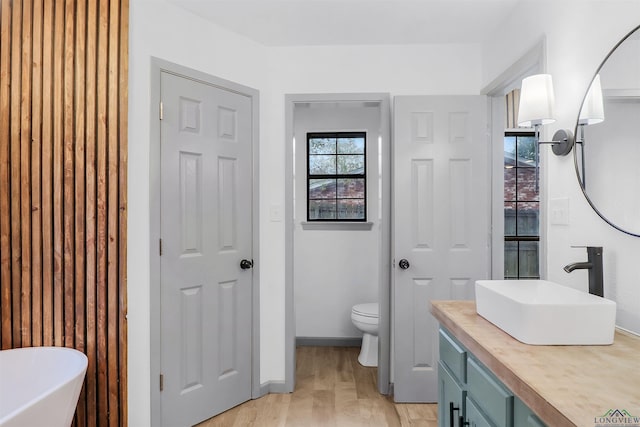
(562, 142)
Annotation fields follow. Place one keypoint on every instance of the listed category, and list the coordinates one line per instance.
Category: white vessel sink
(545, 313)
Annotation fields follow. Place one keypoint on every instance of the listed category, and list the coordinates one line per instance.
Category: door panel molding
(190, 124)
(441, 225)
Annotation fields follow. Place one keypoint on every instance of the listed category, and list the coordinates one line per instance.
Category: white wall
(579, 34)
(333, 268)
(159, 29)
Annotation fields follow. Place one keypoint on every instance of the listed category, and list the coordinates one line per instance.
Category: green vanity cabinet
(452, 376)
(523, 416)
(471, 396)
(474, 416)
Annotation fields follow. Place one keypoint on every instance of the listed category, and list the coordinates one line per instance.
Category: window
(521, 207)
(336, 176)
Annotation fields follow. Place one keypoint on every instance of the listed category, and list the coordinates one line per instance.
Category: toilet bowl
(365, 317)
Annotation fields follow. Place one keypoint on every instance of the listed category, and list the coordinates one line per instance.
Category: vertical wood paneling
(25, 174)
(5, 189)
(123, 96)
(113, 212)
(79, 220)
(63, 199)
(90, 199)
(68, 195)
(36, 167)
(101, 172)
(47, 173)
(16, 220)
(58, 84)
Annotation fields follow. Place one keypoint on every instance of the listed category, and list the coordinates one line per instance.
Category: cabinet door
(474, 416)
(495, 399)
(523, 416)
(450, 398)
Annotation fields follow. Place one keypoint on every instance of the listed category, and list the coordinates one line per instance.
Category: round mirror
(607, 151)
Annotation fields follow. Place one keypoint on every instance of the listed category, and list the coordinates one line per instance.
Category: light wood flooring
(332, 389)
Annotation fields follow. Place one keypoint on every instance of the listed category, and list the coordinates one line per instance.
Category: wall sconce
(536, 108)
(591, 113)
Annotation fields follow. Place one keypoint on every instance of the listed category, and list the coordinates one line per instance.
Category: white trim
(157, 67)
(532, 62)
(335, 225)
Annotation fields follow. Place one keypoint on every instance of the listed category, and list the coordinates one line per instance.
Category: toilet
(365, 317)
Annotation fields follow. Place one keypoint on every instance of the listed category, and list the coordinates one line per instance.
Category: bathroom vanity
(490, 378)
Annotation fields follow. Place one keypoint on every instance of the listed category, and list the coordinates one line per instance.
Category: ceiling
(355, 22)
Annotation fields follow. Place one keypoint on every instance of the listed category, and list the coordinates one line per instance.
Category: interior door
(441, 225)
(205, 263)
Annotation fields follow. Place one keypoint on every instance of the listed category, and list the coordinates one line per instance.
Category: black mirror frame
(575, 150)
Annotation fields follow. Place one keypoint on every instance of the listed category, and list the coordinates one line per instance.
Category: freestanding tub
(39, 386)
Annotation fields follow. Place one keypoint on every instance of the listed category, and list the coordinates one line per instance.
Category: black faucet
(594, 265)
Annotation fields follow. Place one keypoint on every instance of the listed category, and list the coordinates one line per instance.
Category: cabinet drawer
(453, 356)
(496, 400)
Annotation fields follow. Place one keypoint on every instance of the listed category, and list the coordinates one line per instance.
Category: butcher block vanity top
(563, 385)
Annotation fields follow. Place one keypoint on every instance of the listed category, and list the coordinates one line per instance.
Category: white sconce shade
(592, 111)
(536, 101)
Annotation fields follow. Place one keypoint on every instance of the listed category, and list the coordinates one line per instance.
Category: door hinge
(160, 246)
(161, 110)
(161, 382)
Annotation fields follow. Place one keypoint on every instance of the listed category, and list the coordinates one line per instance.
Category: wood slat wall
(63, 166)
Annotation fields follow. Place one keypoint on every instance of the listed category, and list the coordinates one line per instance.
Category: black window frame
(520, 238)
(337, 176)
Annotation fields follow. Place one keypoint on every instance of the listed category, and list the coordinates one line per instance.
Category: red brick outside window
(521, 207)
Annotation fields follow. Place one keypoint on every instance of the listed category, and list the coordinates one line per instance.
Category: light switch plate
(559, 210)
(275, 213)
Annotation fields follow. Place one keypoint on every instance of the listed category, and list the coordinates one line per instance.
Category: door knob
(403, 264)
(246, 264)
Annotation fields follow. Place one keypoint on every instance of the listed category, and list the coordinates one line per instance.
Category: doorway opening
(318, 299)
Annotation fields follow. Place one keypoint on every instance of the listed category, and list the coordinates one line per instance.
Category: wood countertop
(563, 385)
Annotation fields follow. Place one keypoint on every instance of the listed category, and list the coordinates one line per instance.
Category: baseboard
(276, 387)
(328, 342)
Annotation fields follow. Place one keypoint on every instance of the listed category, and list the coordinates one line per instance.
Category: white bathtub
(39, 386)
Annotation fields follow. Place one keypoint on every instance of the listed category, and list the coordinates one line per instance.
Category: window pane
(351, 164)
(322, 165)
(351, 209)
(528, 219)
(510, 260)
(510, 184)
(527, 191)
(509, 150)
(527, 150)
(322, 209)
(351, 145)
(322, 146)
(509, 219)
(528, 255)
(322, 189)
(349, 188)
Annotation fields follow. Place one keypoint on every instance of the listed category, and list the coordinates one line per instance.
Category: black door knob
(403, 264)
(246, 264)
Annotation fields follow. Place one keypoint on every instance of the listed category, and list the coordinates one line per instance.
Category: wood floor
(332, 389)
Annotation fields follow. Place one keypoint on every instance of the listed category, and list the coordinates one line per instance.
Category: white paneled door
(206, 259)
(441, 225)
